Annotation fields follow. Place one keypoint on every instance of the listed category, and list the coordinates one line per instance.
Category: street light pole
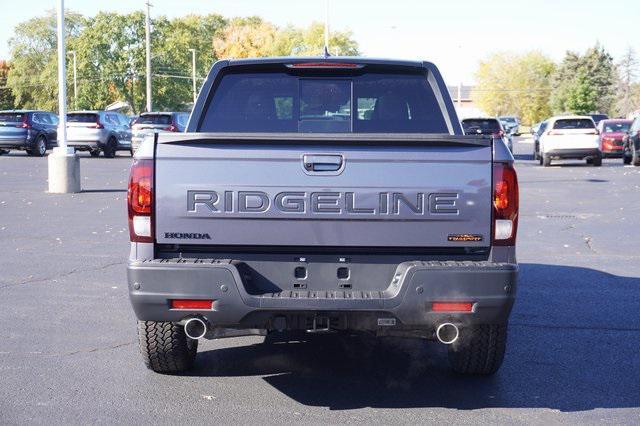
(193, 69)
(75, 80)
(148, 45)
(63, 163)
(326, 29)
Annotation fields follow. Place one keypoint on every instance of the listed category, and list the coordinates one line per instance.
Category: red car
(611, 134)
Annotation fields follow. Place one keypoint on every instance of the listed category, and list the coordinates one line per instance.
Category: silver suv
(149, 123)
(97, 131)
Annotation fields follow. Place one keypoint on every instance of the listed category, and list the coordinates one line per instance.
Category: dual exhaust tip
(196, 328)
(447, 333)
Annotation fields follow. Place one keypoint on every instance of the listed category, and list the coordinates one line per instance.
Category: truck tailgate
(323, 190)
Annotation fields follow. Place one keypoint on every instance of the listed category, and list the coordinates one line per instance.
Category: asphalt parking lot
(68, 350)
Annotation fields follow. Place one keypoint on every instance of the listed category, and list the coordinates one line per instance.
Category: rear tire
(165, 348)
(635, 158)
(110, 149)
(479, 350)
(40, 147)
(626, 159)
(597, 161)
(94, 152)
(545, 160)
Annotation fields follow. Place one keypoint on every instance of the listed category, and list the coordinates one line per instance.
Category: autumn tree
(514, 84)
(6, 94)
(628, 90)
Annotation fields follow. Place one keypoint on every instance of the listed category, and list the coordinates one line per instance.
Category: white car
(570, 137)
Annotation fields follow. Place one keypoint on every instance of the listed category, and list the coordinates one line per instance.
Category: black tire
(626, 159)
(596, 161)
(94, 152)
(545, 160)
(536, 152)
(39, 148)
(165, 348)
(635, 158)
(131, 152)
(4, 151)
(479, 350)
(110, 148)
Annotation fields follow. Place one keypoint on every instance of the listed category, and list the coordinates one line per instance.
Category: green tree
(310, 42)
(585, 81)
(6, 94)
(33, 74)
(514, 84)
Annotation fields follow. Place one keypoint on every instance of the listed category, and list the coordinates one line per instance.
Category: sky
(454, 34)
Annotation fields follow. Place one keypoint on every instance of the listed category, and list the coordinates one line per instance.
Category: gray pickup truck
(323, 195)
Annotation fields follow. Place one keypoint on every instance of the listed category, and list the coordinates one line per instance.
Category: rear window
(617, 127)
(82, 118)
(573, 123)
(480, 126)
(11, 117)
(154, 119)
(280, 102)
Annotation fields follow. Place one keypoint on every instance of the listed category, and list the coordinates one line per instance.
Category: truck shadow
(572, 347)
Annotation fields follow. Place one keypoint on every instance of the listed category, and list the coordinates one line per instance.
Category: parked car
(597, 117)
(612, 133)
(570, 137)
(28, 130)
(487, 126)
(98, 131)
(631, 144)
(511, 124)
(537, 131)
(392, 223)
(149, 123)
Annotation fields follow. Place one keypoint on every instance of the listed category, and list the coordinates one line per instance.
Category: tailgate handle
(322, 162)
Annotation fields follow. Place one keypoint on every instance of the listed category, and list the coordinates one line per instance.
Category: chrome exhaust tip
(195, 328)
(447, 333)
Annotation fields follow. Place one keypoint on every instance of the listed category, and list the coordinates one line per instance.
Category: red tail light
(140, 201)
(172, 128)
(98, 125)
(25, 123)
(505, 204)
(325, 65)
(192, 304)
(452, 307)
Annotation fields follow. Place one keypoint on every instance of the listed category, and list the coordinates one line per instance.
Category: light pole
(193, 70)
(148, 45)
(75, 80)
(326, 29)
(63, 163)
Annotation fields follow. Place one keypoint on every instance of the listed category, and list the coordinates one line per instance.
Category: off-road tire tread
(479, 350)
(165, 348)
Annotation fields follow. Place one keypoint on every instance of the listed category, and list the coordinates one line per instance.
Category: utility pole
(326, 29)
(75, 80)
(148, 43)
(193, 69)
(63, 163)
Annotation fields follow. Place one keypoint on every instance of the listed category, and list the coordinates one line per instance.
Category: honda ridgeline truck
(323, 195)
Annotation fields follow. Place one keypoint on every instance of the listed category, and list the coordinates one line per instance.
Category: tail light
(140, 201)
(98, 125)
(325, 65)
(172, 128)
(452, 306)
(25, 123)
(505, 204)
(498, 134)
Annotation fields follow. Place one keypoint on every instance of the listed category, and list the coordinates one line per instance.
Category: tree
(514, 84)
(628, 98)
(245, 38)
(584, 81)
(6, 95)
(310, 41)
(33, 74)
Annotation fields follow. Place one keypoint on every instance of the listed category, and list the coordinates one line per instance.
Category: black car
(631, 144)
(31, 131)
(597, 117)
(536, 139)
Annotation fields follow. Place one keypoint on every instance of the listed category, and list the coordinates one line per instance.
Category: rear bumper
(406, 301)
(24, 142)
(578, 153)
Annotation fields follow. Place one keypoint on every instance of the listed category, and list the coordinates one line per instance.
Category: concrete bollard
(64, 171)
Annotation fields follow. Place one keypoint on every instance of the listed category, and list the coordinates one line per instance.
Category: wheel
(626, 158)
(479, 349)
(536, 153)
(596, 161)
(4, 151)
(545, 160)
(131, 151)
(39, 148)
(110, 149)
(165, 348)
(94, 152)
(635, 158)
